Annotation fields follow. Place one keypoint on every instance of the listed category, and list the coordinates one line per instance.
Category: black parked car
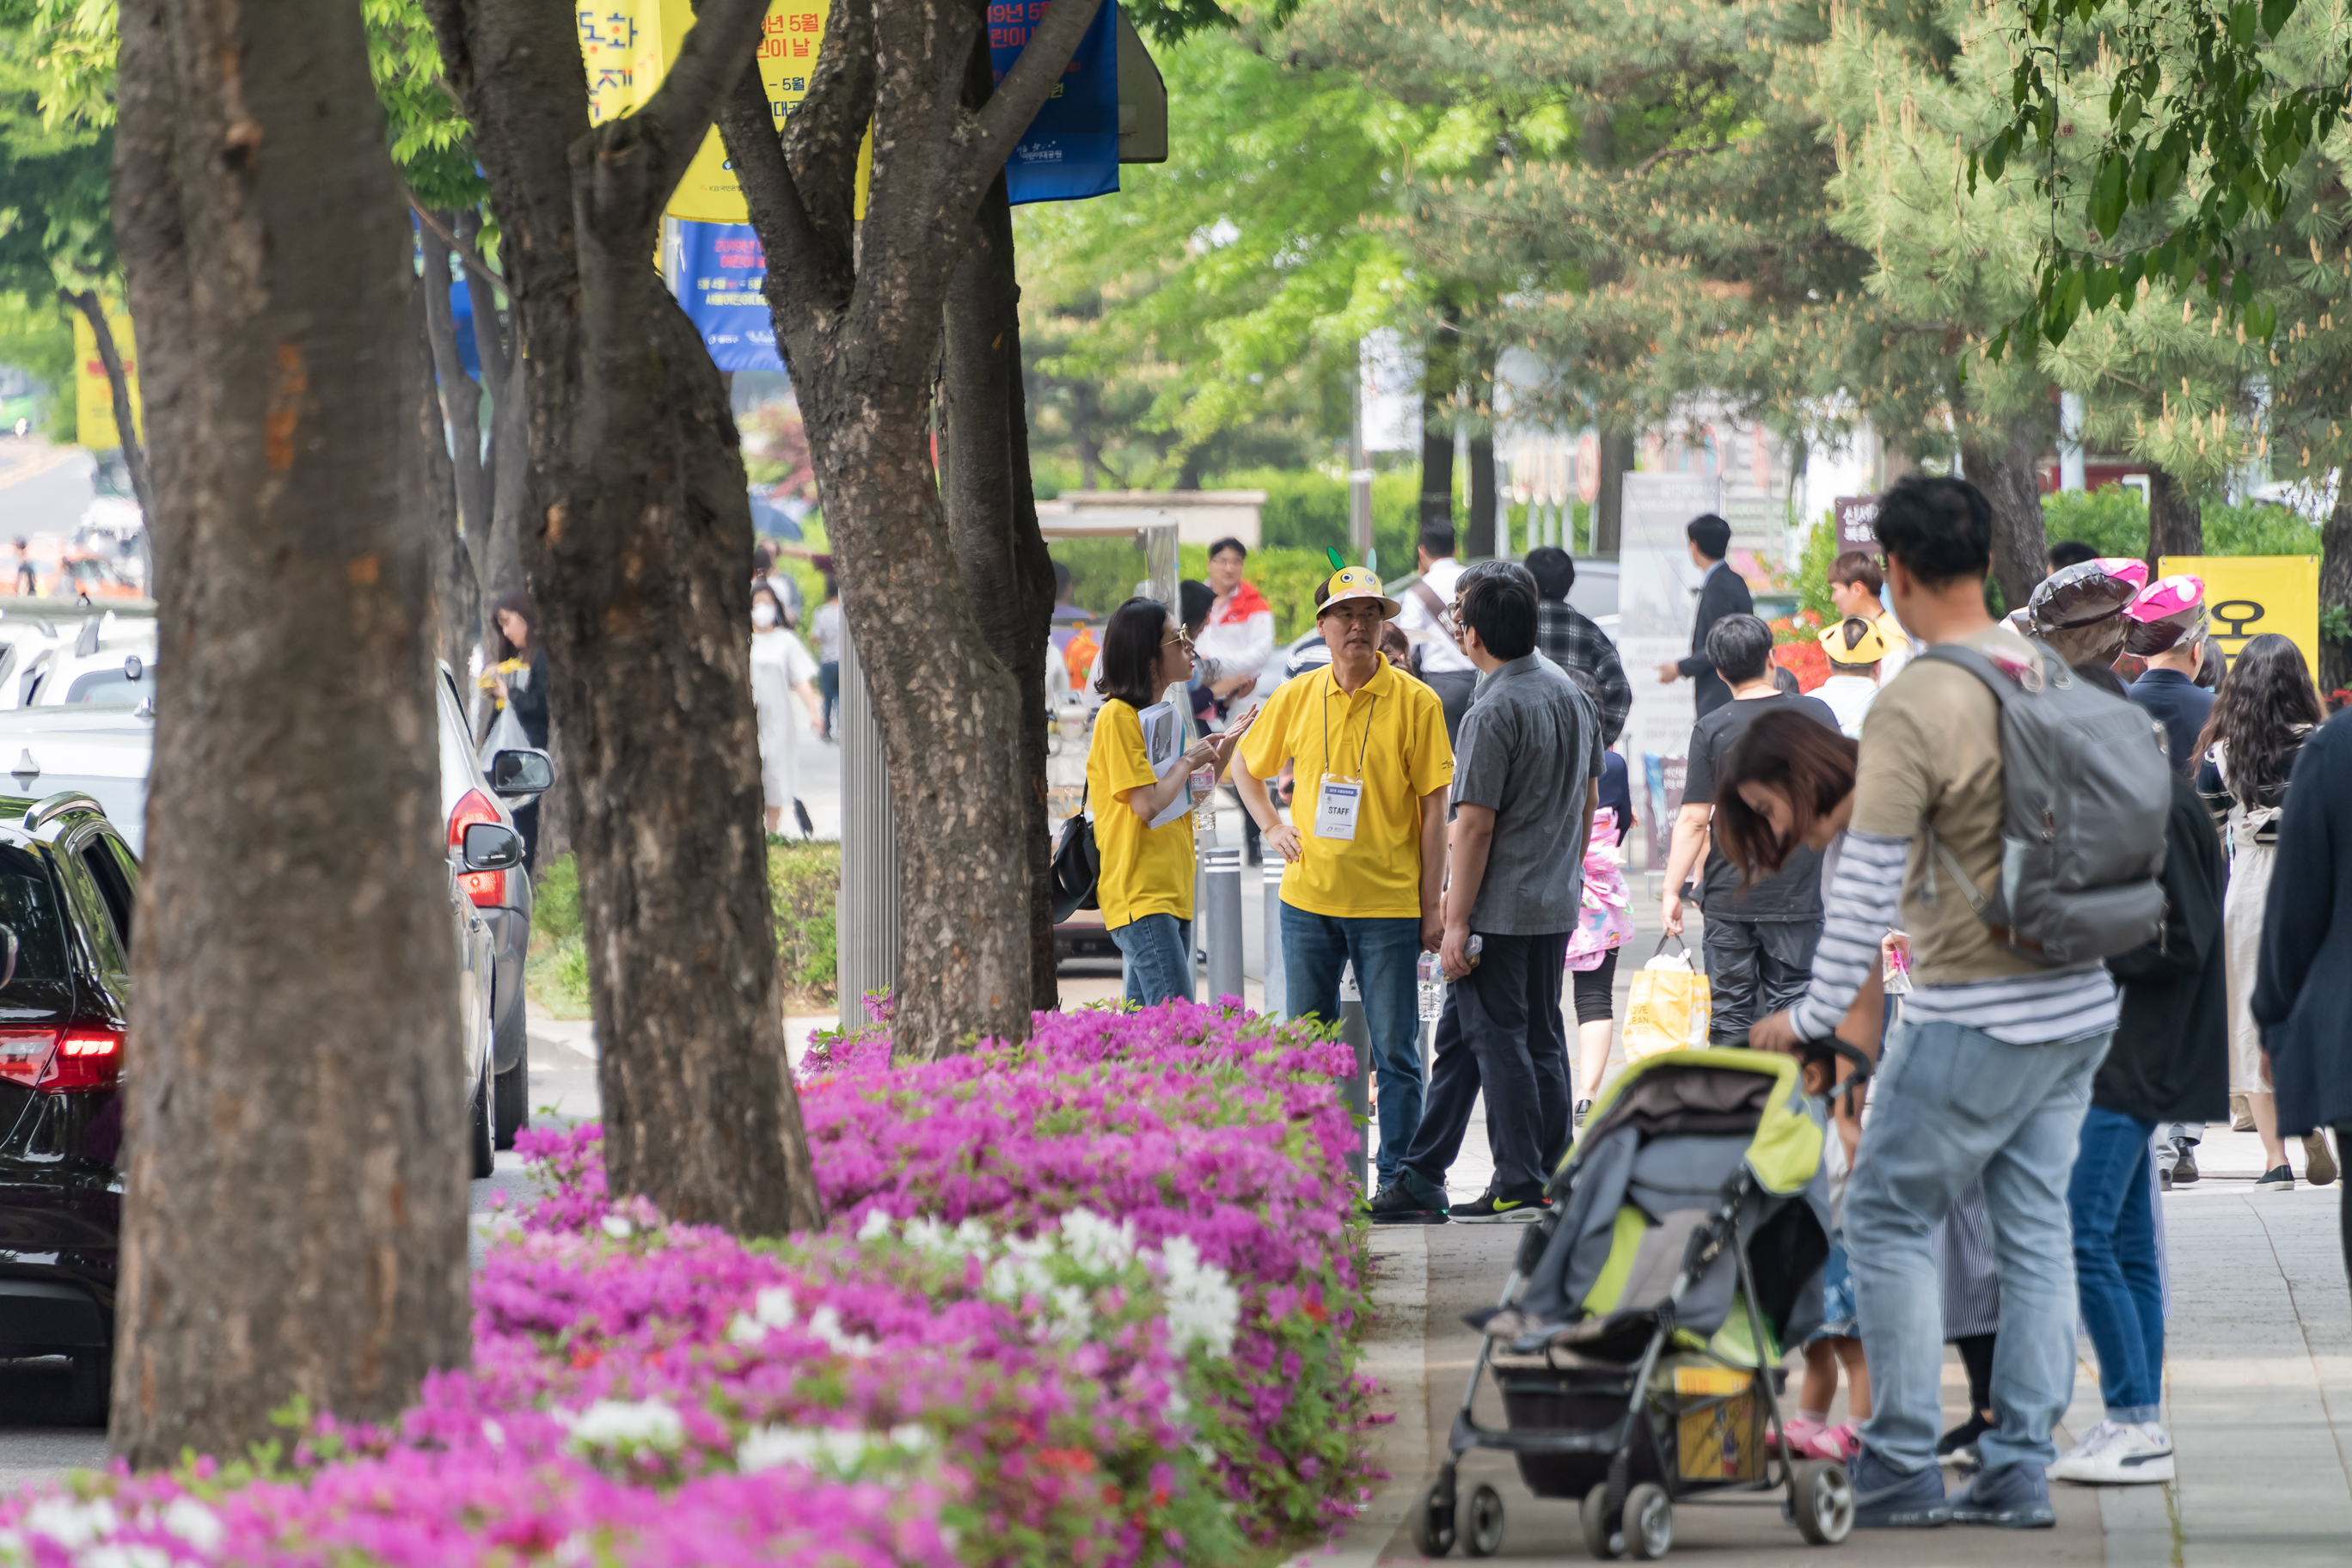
(67, 889)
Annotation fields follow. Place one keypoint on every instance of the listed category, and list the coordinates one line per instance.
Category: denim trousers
(1952, 1104)
(1159, 950)
(1385, 952)
(2116, 1269)
(1502, 1032)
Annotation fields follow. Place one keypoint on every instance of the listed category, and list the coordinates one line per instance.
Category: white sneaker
(2117, 1454)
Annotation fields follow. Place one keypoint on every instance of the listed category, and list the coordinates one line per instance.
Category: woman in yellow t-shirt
(1146, 881)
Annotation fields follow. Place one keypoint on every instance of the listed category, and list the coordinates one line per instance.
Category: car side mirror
(492, 847)
(522, 772)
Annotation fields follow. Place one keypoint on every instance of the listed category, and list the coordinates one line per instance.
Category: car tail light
(486, 889)
(67, 1063)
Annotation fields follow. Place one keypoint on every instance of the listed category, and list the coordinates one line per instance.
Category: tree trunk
(2004, 469)
(294, 1212)
(635, 545)
(2176, 524)
(497, 548)
(457, 623)
(2336, 591)
(992, 518)
(1441, 374)
(1609, 504)
(1479, 539)
(461, 396)
(118, 384)
(857, 312)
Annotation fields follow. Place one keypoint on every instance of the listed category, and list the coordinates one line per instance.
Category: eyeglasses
(1453, 615)
(1361, 614)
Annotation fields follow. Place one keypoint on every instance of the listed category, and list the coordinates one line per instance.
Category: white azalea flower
(876, 1225)
(825, 1323)
(70, 1523)
(494, 1435)
(124, 1554)
(611, 1421)
(1203, 1308)
(829, 1448)
(618, 1226)
(1097, 1245)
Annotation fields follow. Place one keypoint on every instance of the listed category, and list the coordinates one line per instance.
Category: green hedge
(803, 881)
(2114, 522)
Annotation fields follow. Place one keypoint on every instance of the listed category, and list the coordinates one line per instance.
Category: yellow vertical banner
(93, 393)
(2246, 595)
(627, 46)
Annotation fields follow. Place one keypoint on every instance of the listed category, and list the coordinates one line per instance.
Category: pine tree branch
(1679, 154)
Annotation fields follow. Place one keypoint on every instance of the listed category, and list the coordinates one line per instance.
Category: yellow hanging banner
(93, 393)
(628, 46)
(2246, 595)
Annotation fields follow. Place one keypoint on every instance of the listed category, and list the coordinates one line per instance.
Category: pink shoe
(1841, 1442)
(1799, 1436)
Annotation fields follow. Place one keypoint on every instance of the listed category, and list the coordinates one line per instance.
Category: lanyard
(1363, 749)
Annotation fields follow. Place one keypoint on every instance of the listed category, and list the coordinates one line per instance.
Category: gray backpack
(2085, 794)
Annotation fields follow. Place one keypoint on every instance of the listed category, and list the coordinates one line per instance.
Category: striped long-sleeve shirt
(2024, 1009)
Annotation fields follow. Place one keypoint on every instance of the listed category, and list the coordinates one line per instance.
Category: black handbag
(1076, 865)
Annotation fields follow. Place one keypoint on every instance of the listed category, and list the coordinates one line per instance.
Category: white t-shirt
(827, 628)
(1848, 697)
(1439, 652)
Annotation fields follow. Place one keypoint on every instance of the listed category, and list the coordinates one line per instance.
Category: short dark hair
(1221, 546)
(1940, 529)
(2070, 553)
(1711, 535)
(1858, 566)
(1195, 601)
(763, 557)
(1803, 758)
(1554, 570)
(1499, 602)
(832, 589)
(1437, 538)
(1130, 652)
(1741, 648)
(1061, 579)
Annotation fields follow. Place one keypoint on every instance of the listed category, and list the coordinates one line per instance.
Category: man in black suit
(1722, 592)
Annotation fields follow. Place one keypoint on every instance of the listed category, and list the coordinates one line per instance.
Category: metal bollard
(1358, 1031)
(1221, 874)
(1278, 981)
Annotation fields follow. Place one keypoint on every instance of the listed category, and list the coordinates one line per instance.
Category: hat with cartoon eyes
(1350, 583)
(1854, 641)
(2167, 612)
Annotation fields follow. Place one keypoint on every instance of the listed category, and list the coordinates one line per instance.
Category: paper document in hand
(1163, 747)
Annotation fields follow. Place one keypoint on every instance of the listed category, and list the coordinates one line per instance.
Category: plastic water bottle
(1432, 987)
(1205, 803)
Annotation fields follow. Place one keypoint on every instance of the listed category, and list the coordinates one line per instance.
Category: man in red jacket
(1240, 633)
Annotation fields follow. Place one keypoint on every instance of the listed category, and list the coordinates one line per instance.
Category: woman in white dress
(2265, 708)
(782, 669)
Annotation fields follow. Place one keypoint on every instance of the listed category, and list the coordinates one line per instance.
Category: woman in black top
(525, 691)
(2266, 706)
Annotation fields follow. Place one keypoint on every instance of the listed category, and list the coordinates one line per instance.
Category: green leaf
(2242, 17)
(2164, 172)
(2275, 16)
(2129, 115)
(2261, 319)
(1995, 349)
(1996, 155)
(2100, 288)
(2242, 287)
(2107, 200)
(2128, 286)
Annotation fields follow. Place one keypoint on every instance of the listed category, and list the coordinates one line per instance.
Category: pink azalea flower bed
(1091, 1299)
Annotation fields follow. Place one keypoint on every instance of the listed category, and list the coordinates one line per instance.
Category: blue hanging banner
(719, 268)
(1071, 149)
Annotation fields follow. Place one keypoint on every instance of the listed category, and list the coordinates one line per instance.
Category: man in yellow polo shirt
(1365, 865)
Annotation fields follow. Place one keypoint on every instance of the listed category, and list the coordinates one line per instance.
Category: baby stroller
(1638, 1341)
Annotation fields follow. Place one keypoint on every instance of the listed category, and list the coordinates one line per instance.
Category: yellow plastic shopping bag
(1670, 1007)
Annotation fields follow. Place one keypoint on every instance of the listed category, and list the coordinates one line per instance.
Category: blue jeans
(1385, 952)
(1159, 951)
(1952, 1104)
(2116, 1263)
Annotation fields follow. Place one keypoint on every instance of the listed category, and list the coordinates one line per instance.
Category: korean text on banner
(2246, 595)
(718, 269)
(1070, 151)
(93, 393)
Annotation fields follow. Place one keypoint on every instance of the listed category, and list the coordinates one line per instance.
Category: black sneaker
(2014, 1497)
(2184, 1167)
(1887, 1499)
(1392, 1205)
(1490, 1208)
(2281, 1180)
(1963, 1436)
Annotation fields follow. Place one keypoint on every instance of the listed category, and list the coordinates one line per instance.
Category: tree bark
(2335, 590)
(294, 1211)
(2176, 524)
(1478, 539)
(635, 543)
(1441, 374)
(505, 377)
(2004, 468)
(118, 385)
(858, 326)
(992, 517)
(433, 517)
(1609, 504)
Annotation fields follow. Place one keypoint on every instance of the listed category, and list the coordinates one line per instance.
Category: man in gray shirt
(1526, 783)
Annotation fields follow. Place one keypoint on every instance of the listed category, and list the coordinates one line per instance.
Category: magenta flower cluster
(1090, 1300)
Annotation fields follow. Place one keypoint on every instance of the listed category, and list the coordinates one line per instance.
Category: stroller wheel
(1649, 1523)
(1485, 1521)
(1602, 1540)
(1433, 1521)
(1821, 1495)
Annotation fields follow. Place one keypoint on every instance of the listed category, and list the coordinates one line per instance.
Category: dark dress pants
(1501, 1032)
